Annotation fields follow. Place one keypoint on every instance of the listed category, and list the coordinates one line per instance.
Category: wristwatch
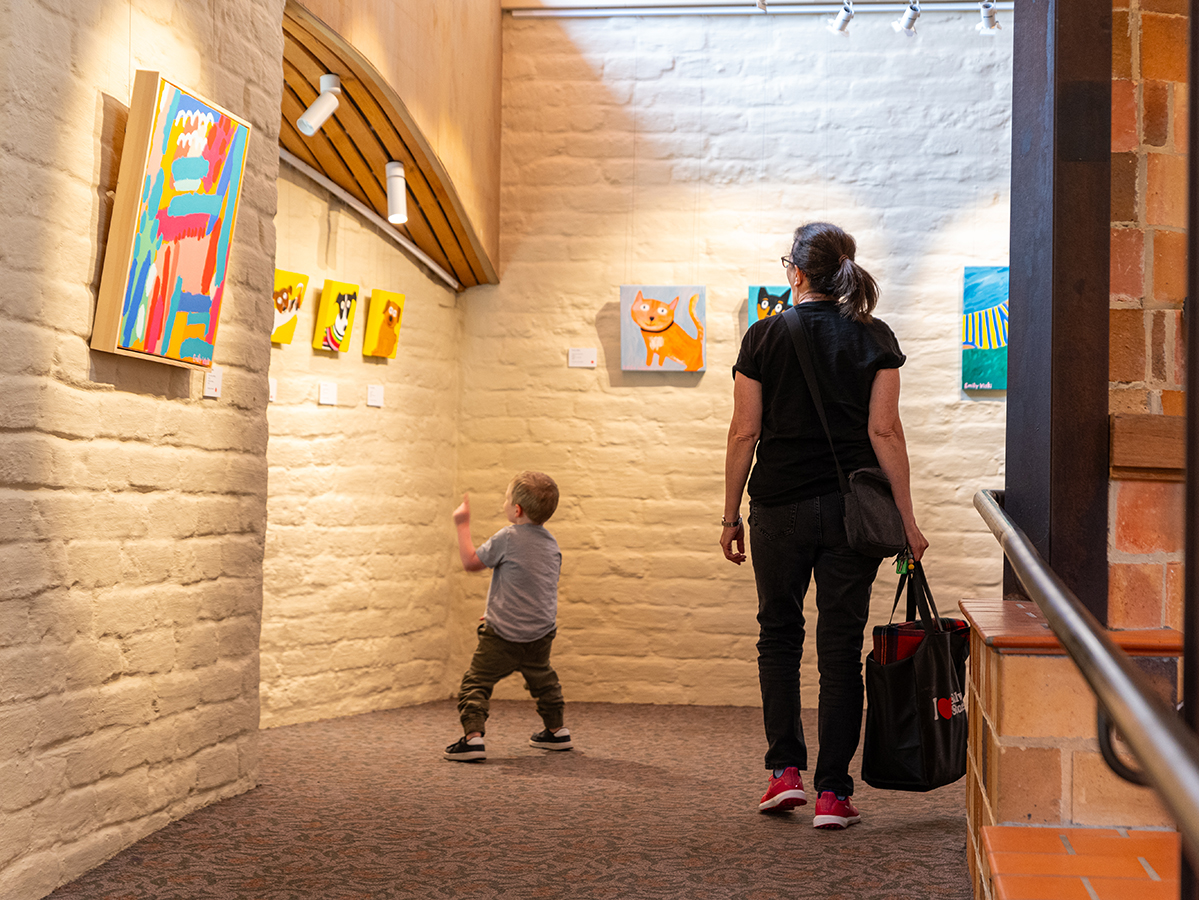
(732, 524)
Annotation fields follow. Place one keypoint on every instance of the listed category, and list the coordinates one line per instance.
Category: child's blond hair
(536, 494)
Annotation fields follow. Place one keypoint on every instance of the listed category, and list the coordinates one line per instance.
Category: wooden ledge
(1017, 626)
(1148, 448)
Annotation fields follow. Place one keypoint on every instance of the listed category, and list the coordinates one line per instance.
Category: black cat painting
(772, 304)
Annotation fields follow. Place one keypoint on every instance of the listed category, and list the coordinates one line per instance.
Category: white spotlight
(906, 24)
(989, 24)
(397, 194)
(322, 107)
(840, 25)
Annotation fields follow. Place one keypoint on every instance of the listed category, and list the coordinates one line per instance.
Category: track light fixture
(840, 25)
(989, 24)
(322, 107)
(906, 23)
(397, 194)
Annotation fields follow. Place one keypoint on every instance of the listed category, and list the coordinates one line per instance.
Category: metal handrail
(1166, 749)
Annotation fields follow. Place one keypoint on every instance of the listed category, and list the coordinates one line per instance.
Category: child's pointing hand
(462, 513)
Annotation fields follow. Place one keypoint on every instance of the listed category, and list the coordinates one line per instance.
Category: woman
(796, 517)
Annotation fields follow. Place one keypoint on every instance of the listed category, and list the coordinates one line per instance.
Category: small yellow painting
(289, 296)
(335, 317)
(383, 324)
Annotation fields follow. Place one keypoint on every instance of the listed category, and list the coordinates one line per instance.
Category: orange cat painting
(658, 335)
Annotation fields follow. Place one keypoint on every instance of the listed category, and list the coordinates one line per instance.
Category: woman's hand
(917, 542)
(744, 431)
(733, 536)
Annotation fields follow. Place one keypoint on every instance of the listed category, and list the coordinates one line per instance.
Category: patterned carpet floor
(655, 802)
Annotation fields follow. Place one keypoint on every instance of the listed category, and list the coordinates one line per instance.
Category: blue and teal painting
(984, 328)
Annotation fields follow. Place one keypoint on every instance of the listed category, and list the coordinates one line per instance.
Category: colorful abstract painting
(289, 297)
(662, 327)
(767, 300)
(984, 328)
(173, 220)
(382, 334)
(335, 317)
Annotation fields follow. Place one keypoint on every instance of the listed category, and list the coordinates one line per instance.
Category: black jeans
(787, 545)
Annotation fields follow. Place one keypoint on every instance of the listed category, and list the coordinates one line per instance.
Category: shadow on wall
(123, 373)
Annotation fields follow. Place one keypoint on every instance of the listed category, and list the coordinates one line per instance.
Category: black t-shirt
(793, 458)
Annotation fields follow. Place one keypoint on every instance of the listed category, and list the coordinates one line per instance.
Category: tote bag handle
(920, 599)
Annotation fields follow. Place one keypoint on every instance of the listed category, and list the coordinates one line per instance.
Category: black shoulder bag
(872, 521)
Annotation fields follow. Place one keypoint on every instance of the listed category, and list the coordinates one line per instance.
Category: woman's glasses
(786, 262)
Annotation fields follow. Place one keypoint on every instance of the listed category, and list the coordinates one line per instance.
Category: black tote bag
(916, 728)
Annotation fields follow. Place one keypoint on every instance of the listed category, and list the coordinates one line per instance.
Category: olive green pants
(496, 658)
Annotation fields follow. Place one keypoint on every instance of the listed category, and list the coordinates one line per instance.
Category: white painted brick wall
(682, 149)
(132, 512)
(358, 570)
(686, 150)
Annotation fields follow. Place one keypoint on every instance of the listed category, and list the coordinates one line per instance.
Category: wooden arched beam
(370, 128)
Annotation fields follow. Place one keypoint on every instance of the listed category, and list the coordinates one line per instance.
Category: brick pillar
(1148, 284)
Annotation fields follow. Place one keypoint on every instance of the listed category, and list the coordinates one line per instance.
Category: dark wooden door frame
(1057, 414)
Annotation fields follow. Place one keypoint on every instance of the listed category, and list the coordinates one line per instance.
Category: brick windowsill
(1019, 626)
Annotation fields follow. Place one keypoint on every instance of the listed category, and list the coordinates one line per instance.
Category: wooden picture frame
(173, 219)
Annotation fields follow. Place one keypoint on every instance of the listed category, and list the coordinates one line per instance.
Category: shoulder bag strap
(799, 336)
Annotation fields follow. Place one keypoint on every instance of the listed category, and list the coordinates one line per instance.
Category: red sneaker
(834, 814)
(785, 792)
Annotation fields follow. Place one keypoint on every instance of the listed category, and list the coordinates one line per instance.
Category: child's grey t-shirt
(522, 602)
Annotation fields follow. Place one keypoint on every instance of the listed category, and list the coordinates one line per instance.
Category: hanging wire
(631, 226)
(765, 107)
(129, 73)
(698, 179)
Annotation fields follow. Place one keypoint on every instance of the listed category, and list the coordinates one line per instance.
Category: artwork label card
(581, 358)
(212, 383)
(662, 327)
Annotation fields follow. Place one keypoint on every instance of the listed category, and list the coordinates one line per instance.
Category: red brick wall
(1148, 283)
(1148, 268)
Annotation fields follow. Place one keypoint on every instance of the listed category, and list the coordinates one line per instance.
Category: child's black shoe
(552, 740)
(466, 750)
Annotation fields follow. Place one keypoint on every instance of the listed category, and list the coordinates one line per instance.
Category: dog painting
(288, 297)
(335, 317)
(382, 335)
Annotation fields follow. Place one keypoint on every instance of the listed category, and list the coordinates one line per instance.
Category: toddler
(521, 618)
